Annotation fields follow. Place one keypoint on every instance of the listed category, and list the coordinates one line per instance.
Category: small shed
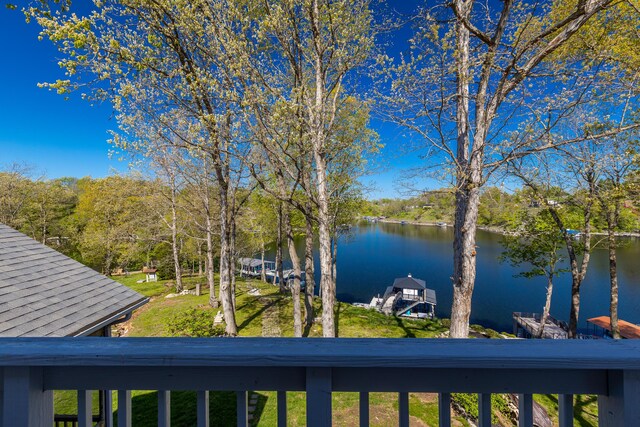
(151, 273)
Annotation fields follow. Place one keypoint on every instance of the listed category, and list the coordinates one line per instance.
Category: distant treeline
(498, 208)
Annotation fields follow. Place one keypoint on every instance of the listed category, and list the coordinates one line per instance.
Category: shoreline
(490, 228)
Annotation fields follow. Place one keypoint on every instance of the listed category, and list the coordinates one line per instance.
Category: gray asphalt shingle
(45, 293)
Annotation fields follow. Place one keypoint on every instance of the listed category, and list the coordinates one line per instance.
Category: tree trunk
(263, 273)
(174, 239)
(199, 259)
(334, 261)
(225, 261)
(297, 273)
(232, 263)
(613, 276)
(309, 272)
(547, 307)
(467, 195)
(213, 301)
(279, 274)
(577, 272)
(317, 118)
(326, 262)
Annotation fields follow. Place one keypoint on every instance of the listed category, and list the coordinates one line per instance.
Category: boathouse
(253, 266)
(409, 297)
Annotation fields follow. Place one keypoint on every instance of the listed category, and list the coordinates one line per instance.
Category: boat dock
(526, 325)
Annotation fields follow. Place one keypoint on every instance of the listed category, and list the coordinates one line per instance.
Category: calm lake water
(374, 254)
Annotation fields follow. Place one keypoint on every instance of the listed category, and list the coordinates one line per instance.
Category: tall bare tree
(473, 74)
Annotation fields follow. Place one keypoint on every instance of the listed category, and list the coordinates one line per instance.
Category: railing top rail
(316, 352)
(309, 352)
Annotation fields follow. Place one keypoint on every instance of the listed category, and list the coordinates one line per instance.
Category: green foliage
(469, 403)
(163, 256)
(194, 323)
(536, 243)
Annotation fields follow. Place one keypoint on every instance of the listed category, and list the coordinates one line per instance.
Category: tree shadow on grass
(307, 329)
(259, 407)
(144, 408)
(581, 408)
(337, 317)
(408, 333)
(259, 312)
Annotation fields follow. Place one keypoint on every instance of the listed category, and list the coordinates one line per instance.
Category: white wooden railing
(31, 368)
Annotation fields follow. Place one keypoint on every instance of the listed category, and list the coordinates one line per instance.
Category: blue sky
(68, 137)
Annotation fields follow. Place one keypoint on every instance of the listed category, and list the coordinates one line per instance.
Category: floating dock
(526, 325)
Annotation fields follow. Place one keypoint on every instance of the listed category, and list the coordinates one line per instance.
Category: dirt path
(270, 319)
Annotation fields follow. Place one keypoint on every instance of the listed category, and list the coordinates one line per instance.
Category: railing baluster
(164, 408)
(525, 410)
(124, 408)
(484, 409)
(241, 409)
(403, 409)
(108, 404)
(444, 410)
(565, 410)
(85, 410)
(203, 408)
(364, 409)
(282, 408)
(318, 397)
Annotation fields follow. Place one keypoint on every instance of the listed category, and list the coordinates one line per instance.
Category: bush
(194, 323)
(469, 404)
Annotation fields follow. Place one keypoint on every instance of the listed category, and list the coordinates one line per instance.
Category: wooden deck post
(24, 401)
(164, 408)
(85, 408)
(444, 409)
(203, 408)
(364, 409)
(241, 409)
(484, 410)
(403, 409)
(319, 397)
(282, 408)
(124, 408)
(621, 406)
(525, 410)
(565, 410)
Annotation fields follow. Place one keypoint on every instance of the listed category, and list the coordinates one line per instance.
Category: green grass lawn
(154, 319)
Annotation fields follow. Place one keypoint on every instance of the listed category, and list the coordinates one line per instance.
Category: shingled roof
(409, 283)
(45, 293)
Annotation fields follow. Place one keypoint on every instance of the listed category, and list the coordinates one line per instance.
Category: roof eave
(109, 320)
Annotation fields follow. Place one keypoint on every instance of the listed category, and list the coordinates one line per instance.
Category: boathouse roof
(253, 262)
(409, 283)
(44, 293)
(627, 330)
